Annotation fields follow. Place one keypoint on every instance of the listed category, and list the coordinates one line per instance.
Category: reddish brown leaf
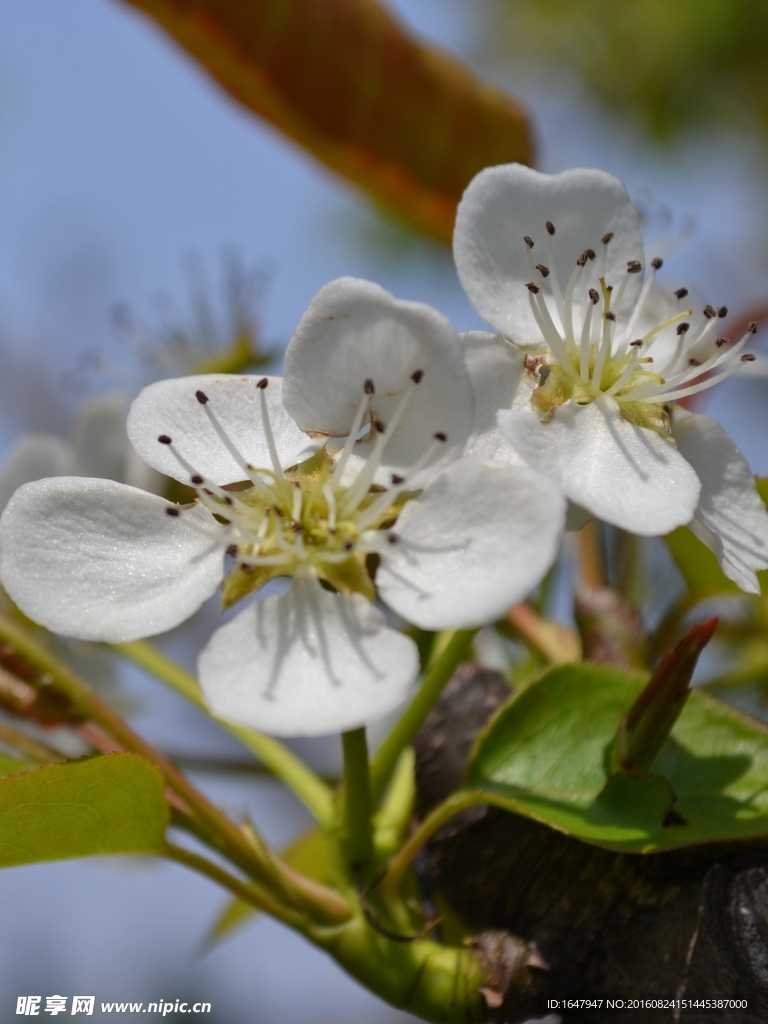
(405, 122)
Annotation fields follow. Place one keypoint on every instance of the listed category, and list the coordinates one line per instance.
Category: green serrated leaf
(309, 854)
(547, 756)
(14, 765)
(101, 805)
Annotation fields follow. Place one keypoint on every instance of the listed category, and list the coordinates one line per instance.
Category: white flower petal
(352, 332)
(500, 381)
(622, 473)
(502, 204)
(476, 542)
(33, 457)
(170, 407)
(99, 560)
(307, 663)
(731, 518)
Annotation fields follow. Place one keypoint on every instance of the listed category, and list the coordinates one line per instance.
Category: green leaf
(102, 805)
(406, 122)
(699, 565)
(310, 855)
(547, 756)
(13, 765)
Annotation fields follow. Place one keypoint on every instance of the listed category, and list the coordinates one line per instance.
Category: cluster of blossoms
(401, 467)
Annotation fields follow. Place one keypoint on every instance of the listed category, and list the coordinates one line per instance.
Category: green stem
(413, 717)
(202, 818)
(29, 747)
(250, 892)
(358, 834)
(394, 816)
(397, 867)
(282, 762)
(434, 982)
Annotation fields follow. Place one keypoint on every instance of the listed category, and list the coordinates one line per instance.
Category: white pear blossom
(345, 477)
(591, 370)
(98, 447)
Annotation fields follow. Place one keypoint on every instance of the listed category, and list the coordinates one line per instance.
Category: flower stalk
(356, 799)
(415, 715)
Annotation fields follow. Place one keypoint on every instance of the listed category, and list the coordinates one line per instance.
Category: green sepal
(312, 470)
(240, 584)
(646, 726)
(349, 577)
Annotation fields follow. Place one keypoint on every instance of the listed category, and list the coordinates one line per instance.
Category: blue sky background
(117, 158)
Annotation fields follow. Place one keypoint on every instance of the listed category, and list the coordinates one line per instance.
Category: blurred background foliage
(672, 68)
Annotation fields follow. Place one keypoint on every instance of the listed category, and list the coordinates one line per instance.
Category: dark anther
(609, 288)
(197, 479)
(591, 254)
(262, 383)
(683, 327)
(748, 358)
(582, 260)
(594, 296)
(368, 387)
(232, 550)
(440, 436)
(206, 491)
(722, 311)
(694, 362)
(247, 568)
(544, 271)
(416, 376)
(611, 317)
(227, 500)
(634, 267)
(550, 227)
(681, 293)
(201, 397)
(171, 511)
(532, 287)
(349, 546)
(393, 538)
(379, 427)
(752, 327)
(635, 344)
(164, 439)
(722, 341)
(606, 238)
(657, 263)
(397, 479)
(709, 312)
(528, 241)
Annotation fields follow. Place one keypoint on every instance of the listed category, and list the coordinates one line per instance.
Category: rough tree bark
(691, 924)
